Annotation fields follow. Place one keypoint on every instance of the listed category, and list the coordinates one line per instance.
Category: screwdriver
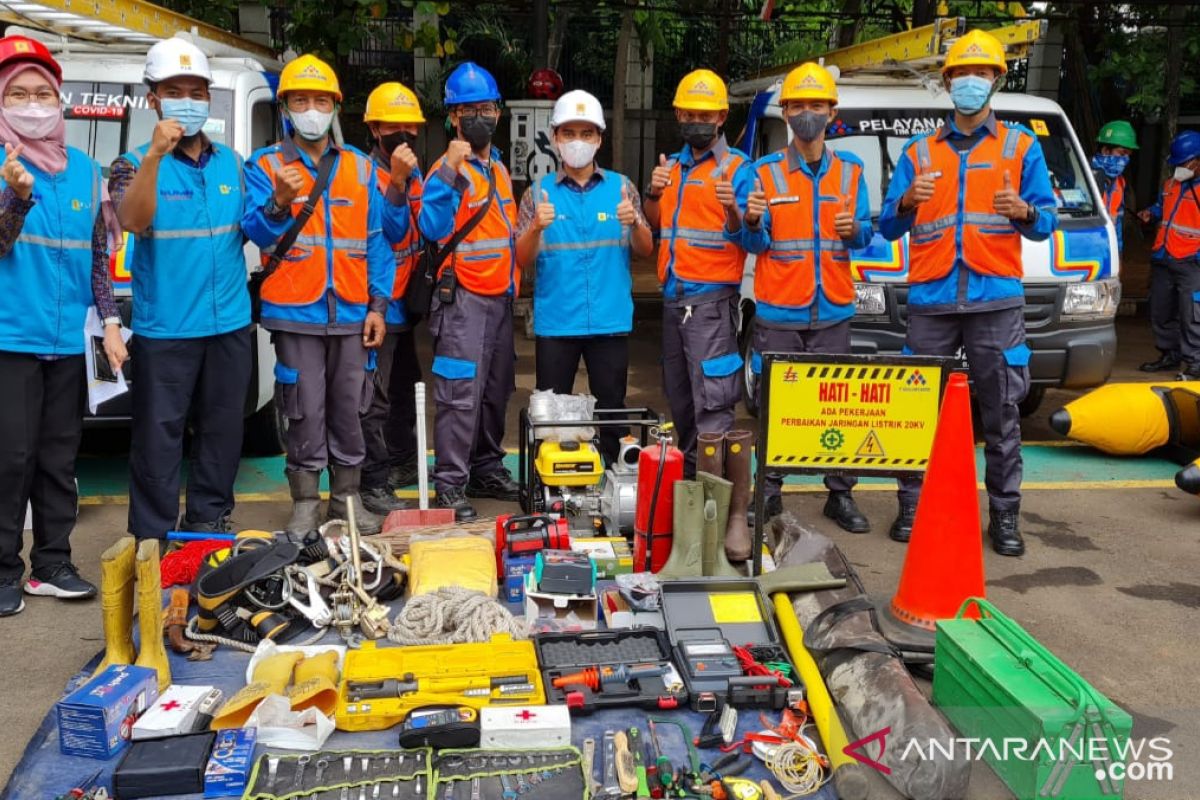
(666, 771)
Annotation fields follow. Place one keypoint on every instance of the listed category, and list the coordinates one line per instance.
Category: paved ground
(1109, 584)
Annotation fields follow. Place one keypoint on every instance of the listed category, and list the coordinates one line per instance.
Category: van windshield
(106, 120)
(877, 136)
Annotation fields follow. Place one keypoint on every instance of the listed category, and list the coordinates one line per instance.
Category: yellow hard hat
(976, 47)
(393, 102)
(702, 90)
(809, 81)
(308, 73)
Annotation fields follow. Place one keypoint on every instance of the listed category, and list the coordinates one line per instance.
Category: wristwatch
(273, 209)
(111, 321)
(1031, 215)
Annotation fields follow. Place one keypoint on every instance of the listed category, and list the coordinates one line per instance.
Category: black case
(563, 653)
(166, 766)
(691, 616)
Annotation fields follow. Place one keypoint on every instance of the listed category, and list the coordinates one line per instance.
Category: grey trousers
(998, 360)
(323, 386)
(1185, 286)
(474, 375)
(380, 432)
(701, 370)
(1164, 309)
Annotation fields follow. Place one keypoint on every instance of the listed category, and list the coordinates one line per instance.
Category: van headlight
(1092, 300)
(870, 299)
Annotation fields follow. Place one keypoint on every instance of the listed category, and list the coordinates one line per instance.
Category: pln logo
(790, 375)
(916, 379)
(225, 188)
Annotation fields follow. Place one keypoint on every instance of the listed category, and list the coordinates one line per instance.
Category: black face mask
(389, 142)
(478, 131)
(698, 134)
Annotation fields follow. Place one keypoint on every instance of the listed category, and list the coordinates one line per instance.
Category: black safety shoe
(841, 508)
(403, 476)
(1188, 372)
(11, 601)
(60, 580)
(219, 525)
(381, 501)
(1165, 363)
(498, 485)
(901, 530)
(773, 506)
(454, 498)
(1006, 537)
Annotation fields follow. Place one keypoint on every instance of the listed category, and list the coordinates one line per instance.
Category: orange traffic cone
(944, 562)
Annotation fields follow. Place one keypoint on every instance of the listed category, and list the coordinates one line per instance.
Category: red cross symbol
(171, 705)
(526, 715)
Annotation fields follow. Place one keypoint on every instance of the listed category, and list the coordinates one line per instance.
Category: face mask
(1181, 173)
(33, 121)
(389, 142)
(1110, 165)
(577, 154)
(478, 131)
(698, 134)
(191, 114)
(808, 125)
(970, 93)
(311, 124)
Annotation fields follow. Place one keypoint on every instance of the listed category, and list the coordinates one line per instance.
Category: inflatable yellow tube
(1125, 419)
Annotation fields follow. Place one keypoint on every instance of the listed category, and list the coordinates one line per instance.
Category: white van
(1071, 280)
(104, 101)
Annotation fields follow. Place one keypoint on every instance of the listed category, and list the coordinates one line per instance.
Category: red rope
(181, 566)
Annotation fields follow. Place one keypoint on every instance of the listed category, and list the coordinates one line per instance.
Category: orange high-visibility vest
(407, 250)
(485, 262)
(991, 244)
(692, 222)
(1180, 228)
(800, 256)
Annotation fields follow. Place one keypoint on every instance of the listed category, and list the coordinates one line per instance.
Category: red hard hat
(545, 84)
(14, 49)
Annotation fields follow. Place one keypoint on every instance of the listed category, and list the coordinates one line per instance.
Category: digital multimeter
(440, 726)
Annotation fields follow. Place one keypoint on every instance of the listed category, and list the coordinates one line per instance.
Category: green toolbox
(1044, 730)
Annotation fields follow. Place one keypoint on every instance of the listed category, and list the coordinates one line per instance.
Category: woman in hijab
(55, 235)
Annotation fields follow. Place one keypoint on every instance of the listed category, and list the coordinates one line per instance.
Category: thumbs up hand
(1008, 202)
(844, 223)
(626, 214)
(725, 194)
(920, 191)
(661, 177)
(544, 214)
(756, 204)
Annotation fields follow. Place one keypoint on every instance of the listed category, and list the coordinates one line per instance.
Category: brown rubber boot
(738, 541)
(710, 454)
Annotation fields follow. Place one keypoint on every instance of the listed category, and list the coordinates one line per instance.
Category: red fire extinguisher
(658, 469)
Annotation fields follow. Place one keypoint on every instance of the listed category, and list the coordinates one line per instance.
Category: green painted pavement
(1046, 466)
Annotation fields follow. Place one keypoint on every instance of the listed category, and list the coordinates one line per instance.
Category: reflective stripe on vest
(692, 244)
(320, 261)
(991, 244)
(1179, 232)
(485, 262)
(805, 250)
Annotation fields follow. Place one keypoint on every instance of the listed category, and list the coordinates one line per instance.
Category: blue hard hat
(1184, 147)
(471, 83)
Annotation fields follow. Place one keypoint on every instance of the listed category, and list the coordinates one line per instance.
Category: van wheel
(1029, 405)
(749, 379)
(265, 431)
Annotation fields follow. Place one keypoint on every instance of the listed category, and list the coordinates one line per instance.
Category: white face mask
(577, 153)
(1181, 174)
(311, 124)
(33, 121)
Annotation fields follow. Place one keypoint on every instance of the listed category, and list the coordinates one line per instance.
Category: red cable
(753, 668)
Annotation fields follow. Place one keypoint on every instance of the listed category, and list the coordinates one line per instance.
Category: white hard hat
(173, 58)
(577, 106)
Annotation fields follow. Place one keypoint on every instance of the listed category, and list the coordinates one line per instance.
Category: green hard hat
(1118, 133)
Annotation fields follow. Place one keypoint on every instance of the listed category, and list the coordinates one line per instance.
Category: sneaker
(11, 601)
(61, 581)
(456, 499)
(381, 501)
(403, 476)
(498, 485)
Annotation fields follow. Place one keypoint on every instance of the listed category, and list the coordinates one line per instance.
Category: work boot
(841, 508)
(738, 540)
(117, 565)
(498, 485)
(1165, 363)
(306, 501)
(773, 506)
(343, 485)
(1188, 372)
(718, 491)
(710, 454)
(687, 540)
(403, 476)
(455, 498)
(150, 613)
(381, 500)
(902, 526)
(1005, 533)
(219, 525)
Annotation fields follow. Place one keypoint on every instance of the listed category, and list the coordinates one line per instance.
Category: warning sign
(861, 414)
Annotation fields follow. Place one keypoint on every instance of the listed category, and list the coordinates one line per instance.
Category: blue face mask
(191, 114)
(1112, 166)
(970, 93)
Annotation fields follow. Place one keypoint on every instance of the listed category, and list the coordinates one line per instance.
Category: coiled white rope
(797, 768)
(453, 615)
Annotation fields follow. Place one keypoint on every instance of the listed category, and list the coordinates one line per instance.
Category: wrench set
(509, 775)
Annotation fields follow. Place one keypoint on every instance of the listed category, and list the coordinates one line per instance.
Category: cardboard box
(618, 614)
(96, 720)
(610, 554)
(230, 764)
(524, 727)
(174, 713)
(515, 570)
(559, 612)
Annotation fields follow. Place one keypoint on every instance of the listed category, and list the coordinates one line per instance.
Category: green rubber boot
(719, 492)
(687, 544)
